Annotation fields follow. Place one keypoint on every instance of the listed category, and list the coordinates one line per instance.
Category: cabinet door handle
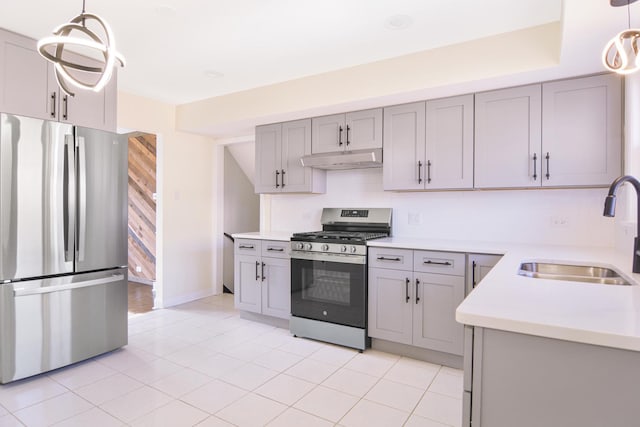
(417, 296)
(547, 157)
(282, 170)
(263, 275)
(246, 247)
(535, 166)
(419, 172)
(275, 249)
(384, 258)
(437, 262)
(406, 290)
(257, 266)
(65, 107)
(348, 129)
(428, 171)
(277, 175)
(473, 274)
(340, 136)
(53, 104)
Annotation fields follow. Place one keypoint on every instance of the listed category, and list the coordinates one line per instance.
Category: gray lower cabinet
(413, 296)
(478, 266)
(529, 381)
(262, 277)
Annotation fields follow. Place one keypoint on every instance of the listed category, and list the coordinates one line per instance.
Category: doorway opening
(241, 203)
(142, 221)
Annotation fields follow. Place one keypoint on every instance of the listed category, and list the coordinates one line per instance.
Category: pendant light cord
(628, 14)
(83, 10)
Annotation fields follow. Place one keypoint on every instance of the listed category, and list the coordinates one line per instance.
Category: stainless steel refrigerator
(63, 245)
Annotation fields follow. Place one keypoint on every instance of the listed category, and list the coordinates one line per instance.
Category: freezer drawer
(49, 323)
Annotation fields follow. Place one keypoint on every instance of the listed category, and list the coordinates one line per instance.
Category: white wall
(626, 211)
(186, 233)
(501, 215)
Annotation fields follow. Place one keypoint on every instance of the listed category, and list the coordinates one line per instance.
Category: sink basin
(575, 273)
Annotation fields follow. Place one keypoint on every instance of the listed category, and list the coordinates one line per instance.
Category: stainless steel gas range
(329, 276)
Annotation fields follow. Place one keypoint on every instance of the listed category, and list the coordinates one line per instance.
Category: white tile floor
(200, 364)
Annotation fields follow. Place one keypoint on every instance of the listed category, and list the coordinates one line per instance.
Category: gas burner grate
(347, 236)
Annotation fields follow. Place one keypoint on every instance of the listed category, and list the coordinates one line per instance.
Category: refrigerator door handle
(70, 195)
(21, 292)
(82, 199)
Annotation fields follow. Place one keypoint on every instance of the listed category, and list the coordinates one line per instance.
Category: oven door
(329, 287)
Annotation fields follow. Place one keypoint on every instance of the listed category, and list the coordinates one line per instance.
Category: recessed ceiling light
(398, 22)
(213, 74)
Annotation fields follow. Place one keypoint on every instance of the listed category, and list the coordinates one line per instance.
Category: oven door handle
(317, 256)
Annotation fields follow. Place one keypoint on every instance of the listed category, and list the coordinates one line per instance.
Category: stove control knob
(325, 247)
(343, 248)
(308, 246)
(299, 246)
(353, 249)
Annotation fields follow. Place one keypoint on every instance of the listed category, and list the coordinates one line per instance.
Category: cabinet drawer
(396, 259)
(247, 246)
(439, 262)
(275, 248)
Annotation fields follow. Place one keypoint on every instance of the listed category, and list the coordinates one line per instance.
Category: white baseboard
(182, 299)
(141, 280)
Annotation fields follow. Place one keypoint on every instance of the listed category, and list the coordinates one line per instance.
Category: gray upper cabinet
(557, 134)
(582, 131)
(279, 148)
(28, 87)
(404, 147)
(429, 145)
(508, 125)
(25, 78)
(449, 161)
(350, 131)
(268, 146)
(87, 108)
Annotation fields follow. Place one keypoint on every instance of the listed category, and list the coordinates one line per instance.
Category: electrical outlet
(559, 221)
(414, 218)
(138, 269)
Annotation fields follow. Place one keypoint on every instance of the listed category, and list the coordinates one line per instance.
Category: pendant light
(53, 47)
(621, 54)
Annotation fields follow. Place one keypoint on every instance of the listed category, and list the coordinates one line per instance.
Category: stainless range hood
(357, 159)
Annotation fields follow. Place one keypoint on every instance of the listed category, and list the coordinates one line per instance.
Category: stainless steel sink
(574, 273)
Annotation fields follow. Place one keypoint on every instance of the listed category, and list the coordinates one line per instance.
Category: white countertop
(597, 314)
(269, 235)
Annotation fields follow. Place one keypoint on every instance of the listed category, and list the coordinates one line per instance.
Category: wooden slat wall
(142, 207)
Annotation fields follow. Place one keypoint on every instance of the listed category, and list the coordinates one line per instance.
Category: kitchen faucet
(610, 211)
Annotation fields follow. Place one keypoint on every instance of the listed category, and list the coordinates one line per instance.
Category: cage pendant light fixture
(71, 71)
(621, 54)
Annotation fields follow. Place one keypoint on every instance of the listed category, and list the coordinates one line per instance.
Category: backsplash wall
(564, 216)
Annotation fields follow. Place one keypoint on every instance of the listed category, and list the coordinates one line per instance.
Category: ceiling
(179, 51)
